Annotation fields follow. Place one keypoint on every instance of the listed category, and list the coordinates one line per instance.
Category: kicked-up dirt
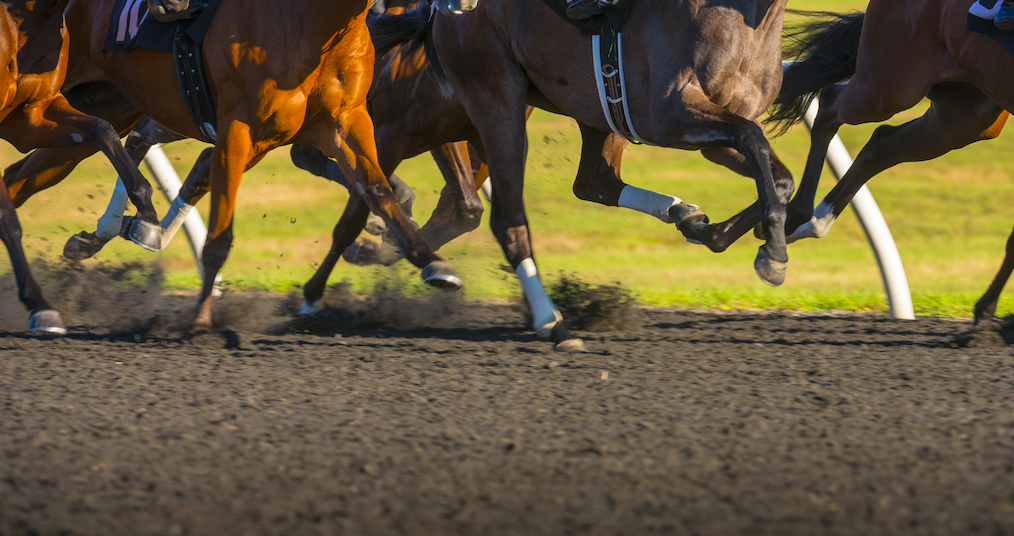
(463, 422)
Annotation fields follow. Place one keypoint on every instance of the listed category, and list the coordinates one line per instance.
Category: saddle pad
(131, 27)
(980, 20)
(614, 17)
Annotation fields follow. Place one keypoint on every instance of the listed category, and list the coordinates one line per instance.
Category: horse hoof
(565, 340)
(440, 275)
(47, 321)
(375, 225)
(682, 213)
(147, 235)
(309, 308)
(362, 253)
(771, 272)
(83, 245)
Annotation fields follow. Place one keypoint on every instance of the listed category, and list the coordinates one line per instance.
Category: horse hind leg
(958, 116)
(353, 147)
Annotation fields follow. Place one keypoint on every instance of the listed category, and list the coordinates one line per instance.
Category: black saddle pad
(985, 27)
(614, 17)
(131, 27)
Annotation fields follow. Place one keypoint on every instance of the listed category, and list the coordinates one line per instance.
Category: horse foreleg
(232, 155)
(54, 123)
(353, 147)
(699, 122)
(43, 317)
(139, 141)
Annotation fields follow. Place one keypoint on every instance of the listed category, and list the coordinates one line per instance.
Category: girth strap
(607, 57)
(193, 82)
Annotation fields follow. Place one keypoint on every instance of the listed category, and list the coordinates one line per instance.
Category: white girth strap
(600, 84)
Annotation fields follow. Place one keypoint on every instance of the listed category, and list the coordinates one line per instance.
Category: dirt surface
(685, 423)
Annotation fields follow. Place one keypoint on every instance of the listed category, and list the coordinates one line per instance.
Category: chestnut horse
(33, 113)
(699, 74)
(300, 75)
(966, 75)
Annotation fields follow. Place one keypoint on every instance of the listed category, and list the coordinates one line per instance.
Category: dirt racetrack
(685, 423)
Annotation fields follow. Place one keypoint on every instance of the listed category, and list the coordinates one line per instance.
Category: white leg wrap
(545, 316)
(173, 219)
(648, 202)
(818, 226)
(110, 222)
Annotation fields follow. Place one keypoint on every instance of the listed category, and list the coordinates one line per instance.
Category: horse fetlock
(545, 315)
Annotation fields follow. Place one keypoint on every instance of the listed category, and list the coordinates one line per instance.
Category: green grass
(950, 218)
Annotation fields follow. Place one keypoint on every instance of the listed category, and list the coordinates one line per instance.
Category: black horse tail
(824, 47)
(413, 29)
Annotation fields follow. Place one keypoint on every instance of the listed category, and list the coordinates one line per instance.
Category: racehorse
(300, 75)
(965, 75)
(699, 73)
(33, 113)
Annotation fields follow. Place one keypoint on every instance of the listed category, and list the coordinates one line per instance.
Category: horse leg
(141, 138)
(345, 232)
(310, 158)
(353, 147)
(825, 126)
(958, 116)
(56, 124)
(43, 317)
(698, 121)
(233, 154)
(464, 211)
(985, 308)
(719, 236)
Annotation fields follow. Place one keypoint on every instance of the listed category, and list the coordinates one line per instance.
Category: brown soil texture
(460, 421)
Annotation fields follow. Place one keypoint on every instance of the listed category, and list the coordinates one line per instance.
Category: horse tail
(409, 28)
(407, 32)
(824, 46)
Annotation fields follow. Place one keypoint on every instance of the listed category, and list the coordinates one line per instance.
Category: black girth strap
(609, 53)
(193, 83)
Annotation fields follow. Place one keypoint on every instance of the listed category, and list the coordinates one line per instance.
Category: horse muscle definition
(964, 74)
(299, 76)
(33, 113)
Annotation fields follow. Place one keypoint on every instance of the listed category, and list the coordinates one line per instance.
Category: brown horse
(965, 75)
(699, 73)
(300, 75)
(33, 113)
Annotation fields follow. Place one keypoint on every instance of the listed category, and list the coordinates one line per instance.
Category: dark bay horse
(700, 73)
(300, 75)
(966, 76)
(34, 48)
